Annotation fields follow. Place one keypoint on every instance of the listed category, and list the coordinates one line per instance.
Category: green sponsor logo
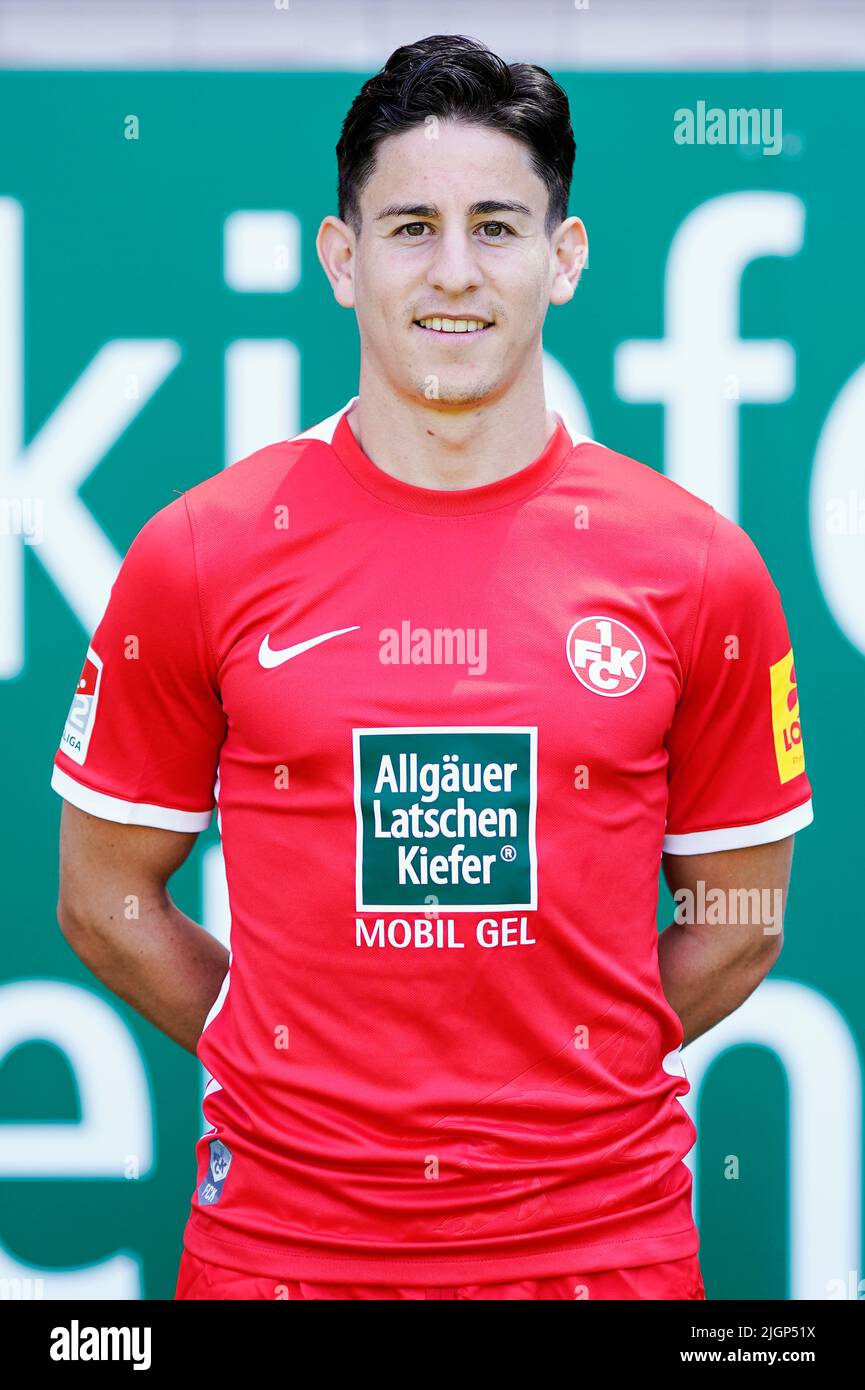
(446, 818)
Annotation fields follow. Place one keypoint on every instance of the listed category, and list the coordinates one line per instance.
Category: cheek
(383, 296)
(525, 295)
(526, 312)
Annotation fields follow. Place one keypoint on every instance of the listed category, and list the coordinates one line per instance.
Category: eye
(410, 228)
(500, 226)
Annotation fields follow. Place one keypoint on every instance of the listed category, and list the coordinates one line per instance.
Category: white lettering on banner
(686, 369)
(262, 395)
(563, 398)
(94, 414)
(118, 1278)
(839, 556)
(109, 1078)
(824, 1078)
(115, 1123)
(88, 421)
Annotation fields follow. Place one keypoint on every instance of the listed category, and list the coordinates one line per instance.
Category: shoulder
(661, 514)
(639, 491)
(213, 517)
(658, 531)
(241, 489)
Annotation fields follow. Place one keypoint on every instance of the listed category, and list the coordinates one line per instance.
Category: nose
(454, 267)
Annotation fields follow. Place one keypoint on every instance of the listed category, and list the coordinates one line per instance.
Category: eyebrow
(484, 208)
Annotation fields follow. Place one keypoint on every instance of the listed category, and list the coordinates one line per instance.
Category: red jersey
(448, 734)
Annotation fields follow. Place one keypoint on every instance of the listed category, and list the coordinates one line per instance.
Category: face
(452, 273)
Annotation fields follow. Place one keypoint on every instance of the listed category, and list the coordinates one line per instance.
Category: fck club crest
(606, 656)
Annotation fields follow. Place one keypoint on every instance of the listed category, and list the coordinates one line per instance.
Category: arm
(115, 912)
(709, 968)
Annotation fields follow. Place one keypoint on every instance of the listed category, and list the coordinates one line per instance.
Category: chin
(453, 392)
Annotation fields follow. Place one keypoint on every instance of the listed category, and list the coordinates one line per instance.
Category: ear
(569, 257)
(335, 246)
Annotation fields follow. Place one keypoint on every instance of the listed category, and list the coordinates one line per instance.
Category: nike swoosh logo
(269, 658)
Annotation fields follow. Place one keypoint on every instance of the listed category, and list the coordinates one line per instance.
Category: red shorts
(199, 1279)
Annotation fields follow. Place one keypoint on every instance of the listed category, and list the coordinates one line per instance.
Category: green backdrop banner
(148, 338)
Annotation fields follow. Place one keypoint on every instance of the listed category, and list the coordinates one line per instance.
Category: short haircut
(453, 77)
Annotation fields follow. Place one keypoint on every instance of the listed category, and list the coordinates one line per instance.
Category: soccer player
(458, 682)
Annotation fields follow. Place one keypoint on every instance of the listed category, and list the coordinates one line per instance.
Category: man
(461, 680)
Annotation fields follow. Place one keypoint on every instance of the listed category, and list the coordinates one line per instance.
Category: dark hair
(454, 77)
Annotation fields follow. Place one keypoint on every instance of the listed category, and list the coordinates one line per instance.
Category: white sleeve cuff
(740, 836)
(126, 812)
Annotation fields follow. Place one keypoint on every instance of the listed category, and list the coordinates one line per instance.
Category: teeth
(442, 325)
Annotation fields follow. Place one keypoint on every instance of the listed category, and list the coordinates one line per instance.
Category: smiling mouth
(459, 326)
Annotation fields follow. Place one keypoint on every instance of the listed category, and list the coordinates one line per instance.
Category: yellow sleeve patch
(789, 753)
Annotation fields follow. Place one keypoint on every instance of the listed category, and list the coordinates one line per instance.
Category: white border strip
(565, 35)
(763, 832)
(126, 812)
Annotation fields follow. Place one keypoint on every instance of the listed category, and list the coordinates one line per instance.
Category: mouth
(458, 327)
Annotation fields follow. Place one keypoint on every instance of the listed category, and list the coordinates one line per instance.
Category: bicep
(755, 866)
(753, 881)
(102, 862)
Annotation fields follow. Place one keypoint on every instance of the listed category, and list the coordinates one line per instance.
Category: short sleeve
(142, 738)
(736, 763)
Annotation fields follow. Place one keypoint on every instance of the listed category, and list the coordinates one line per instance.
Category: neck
(435, 445)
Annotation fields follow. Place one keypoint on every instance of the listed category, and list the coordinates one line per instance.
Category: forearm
(161, 962)
(703, 980)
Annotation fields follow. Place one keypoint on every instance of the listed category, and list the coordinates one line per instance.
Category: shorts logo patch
(79, 721)
(605, 656)
(446, 815)
(210, 1189)
(786, 728)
